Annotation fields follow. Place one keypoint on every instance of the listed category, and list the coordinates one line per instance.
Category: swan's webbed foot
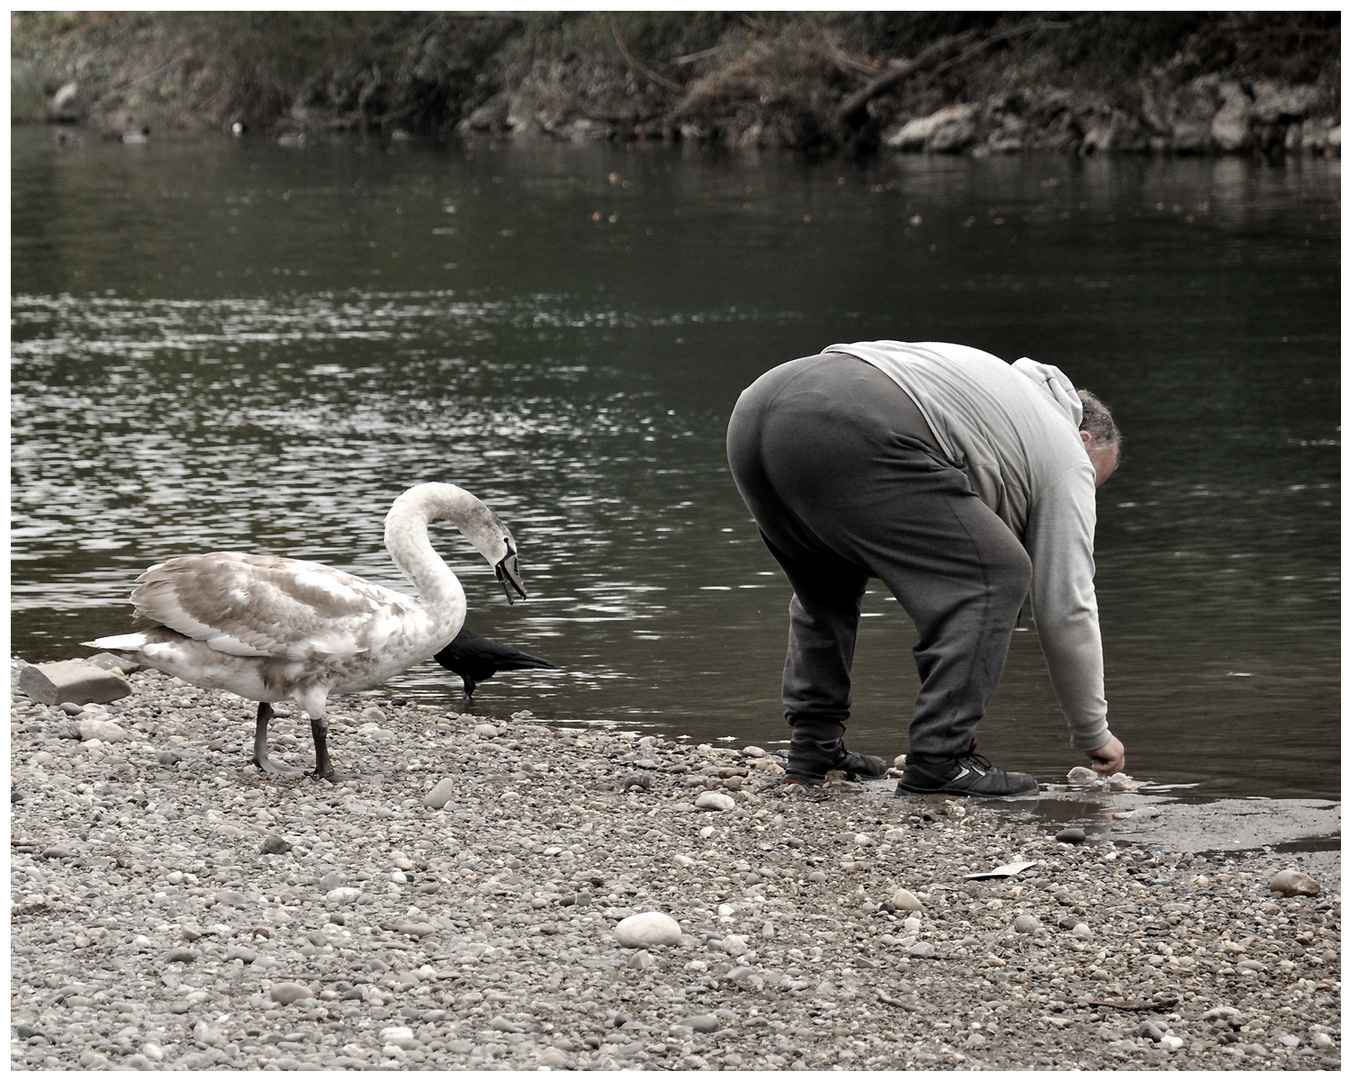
(323, 764)
(260, 757)
(271, 768)
(333, 776)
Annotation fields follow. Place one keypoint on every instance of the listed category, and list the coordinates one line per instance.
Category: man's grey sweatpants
(846, 481)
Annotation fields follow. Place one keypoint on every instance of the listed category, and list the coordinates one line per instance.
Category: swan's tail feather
(119, 642)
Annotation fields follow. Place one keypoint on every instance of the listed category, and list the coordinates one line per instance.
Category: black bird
(474, 658)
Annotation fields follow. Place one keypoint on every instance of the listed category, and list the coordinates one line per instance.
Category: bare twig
(701, 55)
(936, 57)
(837, 55)
(852, 106)
(637, 65)
(121, 90)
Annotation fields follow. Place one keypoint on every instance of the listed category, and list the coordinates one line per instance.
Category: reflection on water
(231, 345)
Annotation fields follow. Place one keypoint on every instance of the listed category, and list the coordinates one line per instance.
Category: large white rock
(905, 900)
(715, 800)
(103, 730)
(647, 928)
(438, 796)
(948, 130)
(1293, 882)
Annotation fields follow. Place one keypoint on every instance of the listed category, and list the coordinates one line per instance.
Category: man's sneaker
(809, 762)
(968, 774)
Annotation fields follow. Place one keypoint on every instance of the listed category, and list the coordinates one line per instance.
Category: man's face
(1103, 460)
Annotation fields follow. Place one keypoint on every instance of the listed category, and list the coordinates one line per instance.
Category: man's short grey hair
(1098, 422)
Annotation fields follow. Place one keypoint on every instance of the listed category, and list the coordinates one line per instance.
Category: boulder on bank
(76, 681)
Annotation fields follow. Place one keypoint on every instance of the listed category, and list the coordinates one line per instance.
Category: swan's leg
(323, 764)
(260, 758)
(315, 702)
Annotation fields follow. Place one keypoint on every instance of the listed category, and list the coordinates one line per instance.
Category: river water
(234, 345)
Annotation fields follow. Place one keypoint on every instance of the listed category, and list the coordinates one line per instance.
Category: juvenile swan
(268, 628)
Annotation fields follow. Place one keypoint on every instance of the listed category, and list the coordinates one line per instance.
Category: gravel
(174, 909)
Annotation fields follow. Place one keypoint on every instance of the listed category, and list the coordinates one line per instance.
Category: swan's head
(508, 572)
(484, 529)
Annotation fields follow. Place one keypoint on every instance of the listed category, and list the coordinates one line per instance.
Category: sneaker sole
(901, 790)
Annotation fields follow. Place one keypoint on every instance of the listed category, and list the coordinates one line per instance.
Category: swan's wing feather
(265, 606)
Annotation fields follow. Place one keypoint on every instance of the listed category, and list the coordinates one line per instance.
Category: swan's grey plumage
(269, 628)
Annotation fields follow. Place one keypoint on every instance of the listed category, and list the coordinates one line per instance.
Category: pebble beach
(498, 893)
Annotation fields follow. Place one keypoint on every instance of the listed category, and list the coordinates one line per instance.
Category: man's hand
(1108, 758)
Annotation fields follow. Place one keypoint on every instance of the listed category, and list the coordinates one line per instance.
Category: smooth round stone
(647, 928)
(206, 1034)
(735, 945)
(439, 795)
(706, 1024)
(923, 950)
(344, 894)
(906, 900)
(486, 731)
(102, 730)
(1026, 924)
(1071, 835)
(286, 993)
(1082, 930)
(395, 1034)
(715, 800)
(551, 1057)
(1293, 882)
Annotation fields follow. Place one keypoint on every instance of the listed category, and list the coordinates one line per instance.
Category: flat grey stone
(76, 681)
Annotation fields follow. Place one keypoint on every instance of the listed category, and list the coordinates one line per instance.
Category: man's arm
(1064, 601)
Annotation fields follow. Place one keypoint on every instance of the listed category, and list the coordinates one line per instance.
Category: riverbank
(172, 908)
(1263, 83)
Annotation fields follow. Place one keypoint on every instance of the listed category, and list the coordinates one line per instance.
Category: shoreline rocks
(1263, 83)
(184, 911)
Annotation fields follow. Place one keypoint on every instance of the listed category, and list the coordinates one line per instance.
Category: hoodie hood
(1056, 384)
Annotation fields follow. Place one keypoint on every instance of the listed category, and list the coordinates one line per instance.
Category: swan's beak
(508, 573)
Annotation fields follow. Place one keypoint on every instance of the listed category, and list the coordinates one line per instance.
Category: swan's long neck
(405, 535)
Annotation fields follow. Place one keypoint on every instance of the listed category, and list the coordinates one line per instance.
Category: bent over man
(963, 483)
